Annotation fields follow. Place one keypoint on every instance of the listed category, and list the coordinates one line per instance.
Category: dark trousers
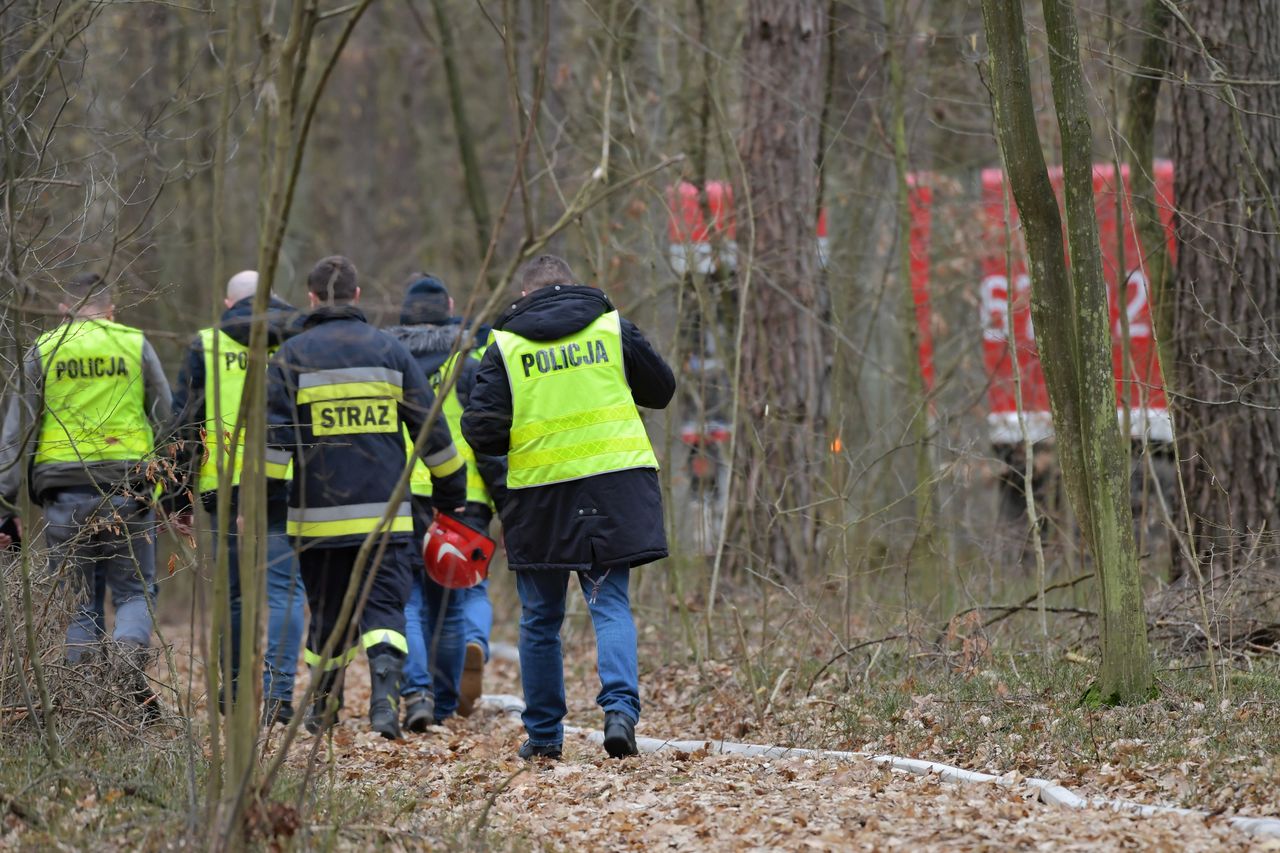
(326, 573)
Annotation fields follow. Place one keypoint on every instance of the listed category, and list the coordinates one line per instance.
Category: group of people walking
(538, 424)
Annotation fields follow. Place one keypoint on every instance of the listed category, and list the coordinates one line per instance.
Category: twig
(848, 651)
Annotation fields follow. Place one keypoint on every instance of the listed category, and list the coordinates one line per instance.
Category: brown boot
(472, 686)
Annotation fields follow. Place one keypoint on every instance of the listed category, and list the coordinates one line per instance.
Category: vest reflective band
(322, 522)
(94, 394)
(451, 409)
(572, 411)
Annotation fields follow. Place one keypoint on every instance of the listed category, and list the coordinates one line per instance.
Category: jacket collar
(326, 313)
(592, 299)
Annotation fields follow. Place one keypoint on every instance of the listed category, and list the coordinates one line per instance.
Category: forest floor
(461, 786)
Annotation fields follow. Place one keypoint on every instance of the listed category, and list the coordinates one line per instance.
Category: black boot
(328, 702)
(276, 711)
(619, 735)
(384, 694)
(419, 711)
(137, 685)
(529, 751)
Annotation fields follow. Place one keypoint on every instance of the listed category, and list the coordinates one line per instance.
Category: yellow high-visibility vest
(451, 410)
(572, 413)
(223, 384)
(94, 394)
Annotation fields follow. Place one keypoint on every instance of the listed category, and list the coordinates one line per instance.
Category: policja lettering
(91, 368)
(564, 356)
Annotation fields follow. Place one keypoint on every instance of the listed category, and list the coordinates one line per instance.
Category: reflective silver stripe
(441, 456)
(341, 375)
(278, 457)
(344, 513)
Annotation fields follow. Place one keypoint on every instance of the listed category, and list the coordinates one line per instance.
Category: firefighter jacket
(209, 387)
(434, 347)
(340, 397)
(585, 494)
(97, 397)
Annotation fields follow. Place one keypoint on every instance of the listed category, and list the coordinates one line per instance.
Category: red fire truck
(699, 246)
(1140, 394)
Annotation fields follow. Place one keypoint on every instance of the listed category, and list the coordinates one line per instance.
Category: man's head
(87, 295)
(242, 285)
(332, 282)
(426, 300)
(544, 271)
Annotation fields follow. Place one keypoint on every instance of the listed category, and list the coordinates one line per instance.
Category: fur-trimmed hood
(429, 344)
(427, 339)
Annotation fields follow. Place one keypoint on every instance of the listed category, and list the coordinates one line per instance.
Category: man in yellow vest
(95, 398)
(557, 393)
(207, 402)
(448, 630)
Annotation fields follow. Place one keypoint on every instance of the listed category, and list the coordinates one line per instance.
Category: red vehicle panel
(1139, 386)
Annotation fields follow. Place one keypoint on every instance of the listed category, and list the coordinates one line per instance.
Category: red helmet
(457, 556)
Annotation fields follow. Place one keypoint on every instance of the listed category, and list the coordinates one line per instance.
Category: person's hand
(240, 524)
(5, 539)
(183, 523)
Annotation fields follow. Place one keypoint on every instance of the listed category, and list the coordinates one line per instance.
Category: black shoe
(223, 706)
(384, 694)
(529, 751)
(619, 735)
(277, 711)
(419, 711)
(148, 700)
(137, 686)
(328, 702)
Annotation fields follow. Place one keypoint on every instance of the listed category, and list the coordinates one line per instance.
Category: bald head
(241, 286)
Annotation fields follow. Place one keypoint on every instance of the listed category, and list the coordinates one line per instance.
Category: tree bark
(785, 346)
(1072, 323)
(1139, 134)
(1226, 305)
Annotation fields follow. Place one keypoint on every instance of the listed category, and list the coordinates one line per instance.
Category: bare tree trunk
(1227, 306)
(1073, 324)
(1139, 135)
(785, 345)
(896, 20)
(477, 200)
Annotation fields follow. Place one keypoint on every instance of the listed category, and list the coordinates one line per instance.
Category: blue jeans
(433, 625)
(285, 599)
(542, 599)
(477, 615)
(104, 542)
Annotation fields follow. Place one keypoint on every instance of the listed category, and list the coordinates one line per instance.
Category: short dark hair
(333, 279)
(88, 289)
(543, 271)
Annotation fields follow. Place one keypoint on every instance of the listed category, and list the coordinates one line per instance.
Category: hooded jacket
(189, 413)
(612, 519)
(431, 345)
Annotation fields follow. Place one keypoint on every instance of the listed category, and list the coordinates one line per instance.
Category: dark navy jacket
(336, 470)
(612, 519)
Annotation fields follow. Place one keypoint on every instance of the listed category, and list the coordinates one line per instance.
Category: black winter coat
(612, 519)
